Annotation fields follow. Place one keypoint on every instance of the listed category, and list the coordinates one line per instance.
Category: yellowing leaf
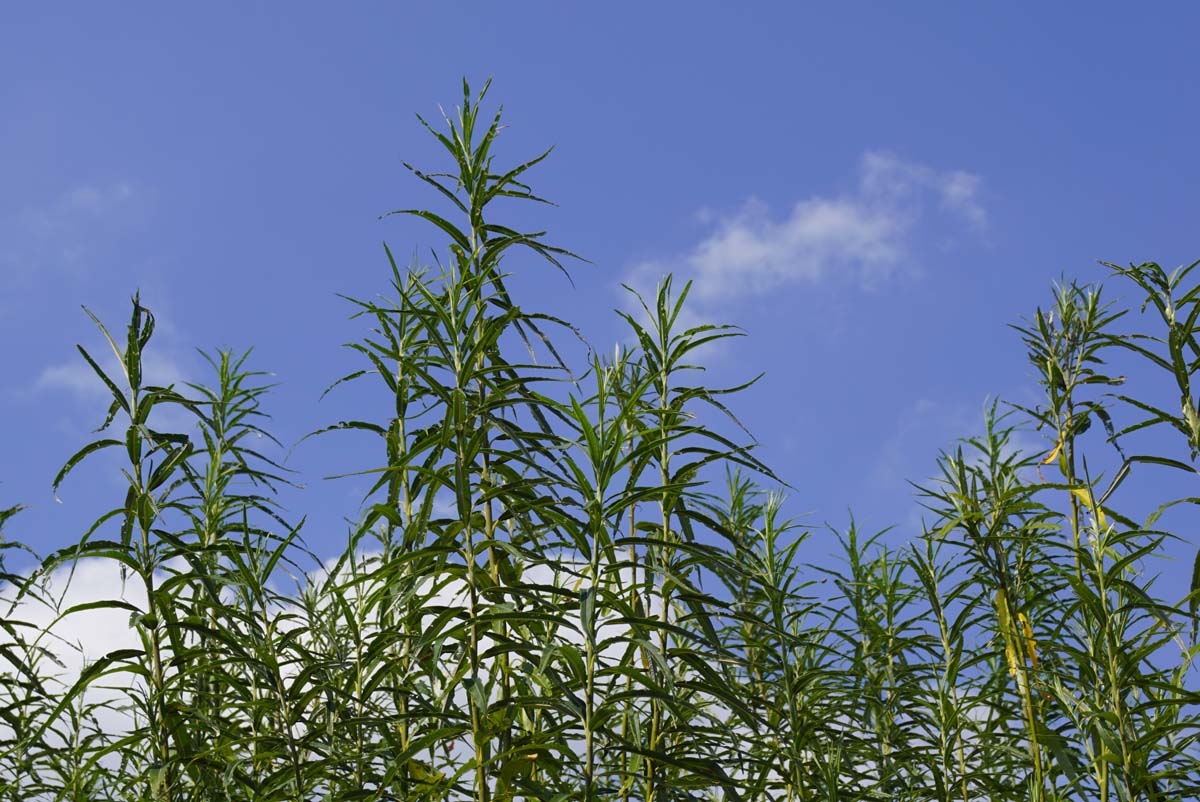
(1030, 643)
(1010, 654)
(423, 772)
(1085, 497)
(1005, 620)
(1002, 610)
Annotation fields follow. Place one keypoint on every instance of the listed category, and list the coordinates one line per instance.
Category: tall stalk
(564, 586)
(984, 500)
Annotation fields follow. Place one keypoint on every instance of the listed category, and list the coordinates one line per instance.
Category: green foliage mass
(570, 583)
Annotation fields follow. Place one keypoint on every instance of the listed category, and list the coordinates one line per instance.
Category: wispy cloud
(60, 235)
(923, 430)
(866, 234)
(79, 380)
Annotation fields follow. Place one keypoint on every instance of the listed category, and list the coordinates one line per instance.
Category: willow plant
(568, 582)
(1065, 346)
(958, 744)
(992, 512)
(786, 675)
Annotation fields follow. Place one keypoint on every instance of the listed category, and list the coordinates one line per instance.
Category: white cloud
(61, 235)
(75, 206)
(77, 378)
(960, 194)
(90, 634)
(87, 634)
(98, 200)
(81, 638)
(866, 234)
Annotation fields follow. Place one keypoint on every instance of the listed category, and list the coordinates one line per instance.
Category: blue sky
(872, 192)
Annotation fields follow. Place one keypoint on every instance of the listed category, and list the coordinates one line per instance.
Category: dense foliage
(570, 583)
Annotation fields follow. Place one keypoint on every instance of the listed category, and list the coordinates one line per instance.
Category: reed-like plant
(566, 581)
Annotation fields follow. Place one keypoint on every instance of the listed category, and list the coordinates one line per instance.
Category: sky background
(873, 193)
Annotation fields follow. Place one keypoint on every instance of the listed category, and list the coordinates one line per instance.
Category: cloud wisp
(76, 381)
(865, 235)
(60, 236)
(77, 378)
